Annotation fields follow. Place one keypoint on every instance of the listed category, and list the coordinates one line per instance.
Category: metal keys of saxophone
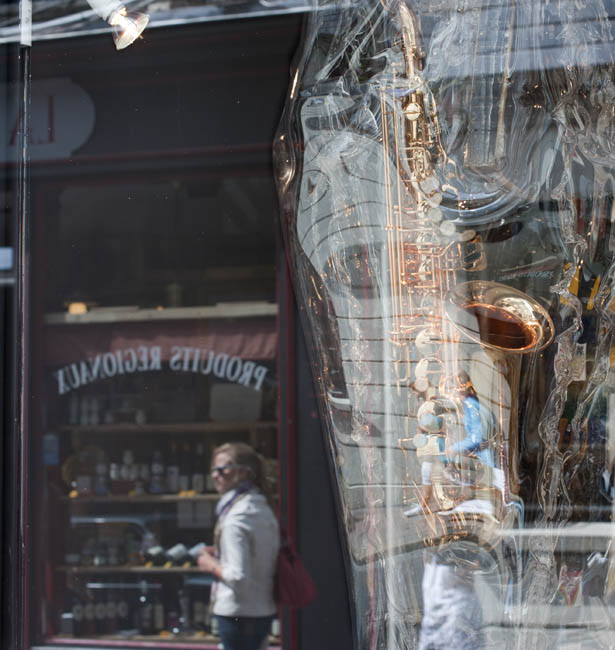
(451, 338)
(425, 252)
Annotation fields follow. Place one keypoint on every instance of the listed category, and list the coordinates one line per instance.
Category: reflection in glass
(441, 191)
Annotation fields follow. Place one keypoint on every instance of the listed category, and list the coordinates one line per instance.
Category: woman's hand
(208, 563)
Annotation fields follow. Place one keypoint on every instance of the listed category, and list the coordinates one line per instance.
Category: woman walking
(246, 544)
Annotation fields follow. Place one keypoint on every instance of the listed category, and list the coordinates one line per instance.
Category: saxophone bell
(502, 319)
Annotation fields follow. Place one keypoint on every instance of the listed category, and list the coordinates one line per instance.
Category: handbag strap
(218, 526)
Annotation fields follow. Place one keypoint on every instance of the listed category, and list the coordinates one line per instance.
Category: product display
(139, 509)
(142, 608)
(88, 472)
(446, 175)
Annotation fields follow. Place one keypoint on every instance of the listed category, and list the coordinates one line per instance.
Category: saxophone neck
(410, 41)
(422, 141)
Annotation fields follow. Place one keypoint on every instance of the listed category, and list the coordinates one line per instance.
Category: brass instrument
(442, 326)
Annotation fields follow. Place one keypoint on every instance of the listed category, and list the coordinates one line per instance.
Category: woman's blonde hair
(247, 457)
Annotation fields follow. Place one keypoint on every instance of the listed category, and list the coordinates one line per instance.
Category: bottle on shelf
(83, 481)
(143, 477)
(101, 555)
(151, 551)
(129, 472)
(155, 555)
(173, 621)
(115, 555)
(195, 551)
(158, 615)
(88, 551)
(199, 469)
(173, 471)
(178, 555)
(111, 611)
(157, 473)
(145, 611)
(143, 472)
(89, 614)
(72, 555)
(122, 611)
(114, 476)
(77, 610)
(185, 625)
(100, 611)
(185, 468)
(199, 609)
(101, 471)
(132, 546)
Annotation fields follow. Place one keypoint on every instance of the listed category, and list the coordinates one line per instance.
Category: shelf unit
(83, 570)
(135, 314)
(141, 498)
(202, 428)
(143, 412)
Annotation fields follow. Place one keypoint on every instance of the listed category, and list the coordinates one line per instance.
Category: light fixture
(127, 25)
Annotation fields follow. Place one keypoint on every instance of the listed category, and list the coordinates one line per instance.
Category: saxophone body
(443, 323)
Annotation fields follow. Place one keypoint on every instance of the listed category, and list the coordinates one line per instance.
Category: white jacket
(249, 545)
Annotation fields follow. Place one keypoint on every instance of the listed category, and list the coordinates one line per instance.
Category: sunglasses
(220, 469)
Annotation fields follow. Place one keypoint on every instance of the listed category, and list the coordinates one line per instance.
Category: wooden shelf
(229, 426)
(196, 641)
(134, 314)
(80, 570)
(142, 498)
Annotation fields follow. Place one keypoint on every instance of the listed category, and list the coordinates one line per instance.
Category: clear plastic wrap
(445, 173)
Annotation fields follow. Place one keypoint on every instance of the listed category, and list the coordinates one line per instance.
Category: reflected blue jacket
(476, 419)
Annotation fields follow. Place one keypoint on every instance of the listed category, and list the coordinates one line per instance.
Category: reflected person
(479, 427)
(463, 461)
(452, 612)
(246, 544)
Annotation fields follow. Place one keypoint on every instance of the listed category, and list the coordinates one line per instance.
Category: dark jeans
(243, 632)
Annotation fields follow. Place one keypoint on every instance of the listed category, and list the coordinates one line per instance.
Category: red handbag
(293, 585)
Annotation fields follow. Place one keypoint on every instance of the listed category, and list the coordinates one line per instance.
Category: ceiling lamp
(127, 25)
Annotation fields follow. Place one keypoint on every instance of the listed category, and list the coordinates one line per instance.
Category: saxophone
(452, 338)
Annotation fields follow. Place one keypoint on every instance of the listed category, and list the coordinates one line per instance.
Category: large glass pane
(154, 320)
(446, 174)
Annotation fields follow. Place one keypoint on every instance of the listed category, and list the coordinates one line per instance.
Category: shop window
(155, 329)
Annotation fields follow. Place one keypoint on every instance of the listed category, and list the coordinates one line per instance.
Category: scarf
(228, 498)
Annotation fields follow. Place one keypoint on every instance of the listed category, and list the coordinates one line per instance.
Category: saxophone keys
(413, 111)
(430, 186)
(421, 384)
(427, 418)
(467, 235)
(431, 393)
(427, 342)
(434, 215)
(429, 369)
(434, 199)
(447, 228)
